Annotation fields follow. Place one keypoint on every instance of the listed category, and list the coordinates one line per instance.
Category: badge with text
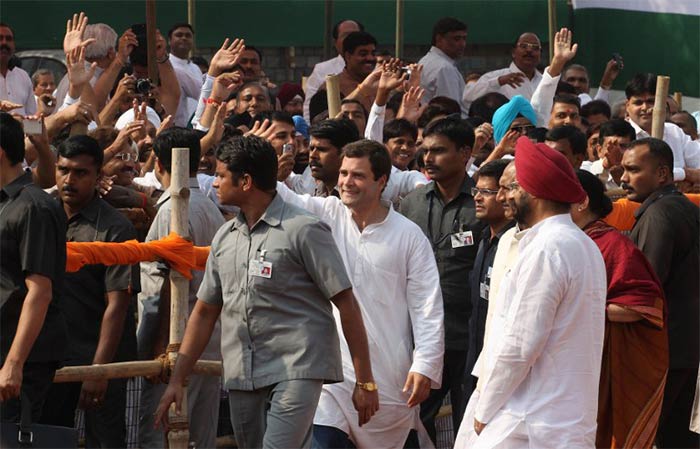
(461, 239)
(260, 268)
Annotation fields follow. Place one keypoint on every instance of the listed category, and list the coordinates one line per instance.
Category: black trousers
(453, 383)
(105, 426)
(675, 412)
(36, 380)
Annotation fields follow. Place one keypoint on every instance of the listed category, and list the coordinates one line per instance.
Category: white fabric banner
(685, 7)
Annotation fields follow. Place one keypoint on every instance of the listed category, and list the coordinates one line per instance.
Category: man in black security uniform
(32, 265)
(667, 231)
(444, 209)
(97, 301)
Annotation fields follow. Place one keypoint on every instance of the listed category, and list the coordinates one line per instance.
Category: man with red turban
(540, 367)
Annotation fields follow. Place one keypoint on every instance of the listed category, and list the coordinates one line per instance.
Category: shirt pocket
(282, 270)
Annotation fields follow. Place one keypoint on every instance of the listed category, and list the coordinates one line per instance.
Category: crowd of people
(504, 238)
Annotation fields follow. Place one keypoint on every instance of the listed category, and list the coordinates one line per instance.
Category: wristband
(212, 101)
(165, 59)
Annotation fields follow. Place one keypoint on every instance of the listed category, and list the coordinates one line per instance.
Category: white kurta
(541, 364)
(318, 78)
(441, 77)
(396, 283)
(489, 83)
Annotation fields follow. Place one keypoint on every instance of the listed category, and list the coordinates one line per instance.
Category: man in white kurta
(396, 283)
(540, 367)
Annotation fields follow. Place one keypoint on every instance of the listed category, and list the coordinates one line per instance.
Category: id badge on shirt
(462, 239)
(260, 268)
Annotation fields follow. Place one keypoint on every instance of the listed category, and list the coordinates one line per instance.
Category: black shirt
(32, 241)
(480, 286)
(85, 290)
(667, 231)
(439, 222)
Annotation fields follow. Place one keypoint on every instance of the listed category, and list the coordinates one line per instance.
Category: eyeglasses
(529, 46)
(126, 157)
(483, 192)
(522, 129)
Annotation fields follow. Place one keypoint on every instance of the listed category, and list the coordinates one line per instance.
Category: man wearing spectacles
(640, 93)
(491, 212)
(520, 78)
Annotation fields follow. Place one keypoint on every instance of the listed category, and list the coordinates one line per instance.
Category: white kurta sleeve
(203, 95)
(602, 94)
(426, 310)
(375, 123)
(325, 208)
(543, 98)
(313, 82)
(539, 288)
(487, 83)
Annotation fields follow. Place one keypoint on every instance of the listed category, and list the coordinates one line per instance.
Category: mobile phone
(32, 127)
(617, 58)
(287, 148)
(407, 71)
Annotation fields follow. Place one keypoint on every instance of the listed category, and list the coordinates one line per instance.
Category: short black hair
(251, 84)
(200, 60)
(282, 116)
(11, 138)
(458, 131)
(256, 50)
(616, 127)
(82, 145)
(357, 39)
(179, 25)
(397, 128)
(641, 83)
(596, 107)
(448, 105)
(339, 132)
(565, 89)
(446, 25)
(493, 169)
(658, 149)
(177, 137)
(486, 105)
(355, 101)
(693, 120)
(252, 155)
(598, 202)
(379, 158)
(565, 99)
(575, 137)
(394, 103)
(336, 27)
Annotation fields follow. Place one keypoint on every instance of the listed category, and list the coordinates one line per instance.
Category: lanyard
(455, 222)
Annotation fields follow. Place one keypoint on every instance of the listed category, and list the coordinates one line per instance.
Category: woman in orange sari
(635, 349)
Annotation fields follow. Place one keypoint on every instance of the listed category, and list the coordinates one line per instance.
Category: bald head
(527, 52)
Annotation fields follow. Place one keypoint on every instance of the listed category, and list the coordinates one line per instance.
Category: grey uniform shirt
(282, 327)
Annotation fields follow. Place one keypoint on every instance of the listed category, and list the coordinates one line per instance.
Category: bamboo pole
(552, 14)
(178, 435)
(678, 96)
(125, 370)
(151, 41)
(398, 48)
(333, 91)
(658, 117)
(327, 29)
(190, 20)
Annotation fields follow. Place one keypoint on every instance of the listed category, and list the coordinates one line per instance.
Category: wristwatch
(367, 386)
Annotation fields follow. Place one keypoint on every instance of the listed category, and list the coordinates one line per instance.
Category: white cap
(128, 117)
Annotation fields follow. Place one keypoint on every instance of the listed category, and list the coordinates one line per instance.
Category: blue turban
(505, 115)
(300, 126)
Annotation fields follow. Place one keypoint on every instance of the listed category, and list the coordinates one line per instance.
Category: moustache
(626, 186)
(315, 164)
(69, 189)
(5, 47)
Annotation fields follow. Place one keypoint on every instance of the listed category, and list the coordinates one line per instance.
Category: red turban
(545, 173)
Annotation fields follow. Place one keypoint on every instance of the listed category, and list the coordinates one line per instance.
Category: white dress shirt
(16, 86)
(190, 78)
(441, 77)
(489, 83)
(541, 364)
(395, 280)
(318, 77)
(686, 152)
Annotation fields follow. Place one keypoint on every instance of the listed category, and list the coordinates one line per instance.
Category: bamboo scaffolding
(658, 117)
(333, 91)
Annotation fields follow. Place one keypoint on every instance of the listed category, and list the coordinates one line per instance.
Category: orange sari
(635, 354)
